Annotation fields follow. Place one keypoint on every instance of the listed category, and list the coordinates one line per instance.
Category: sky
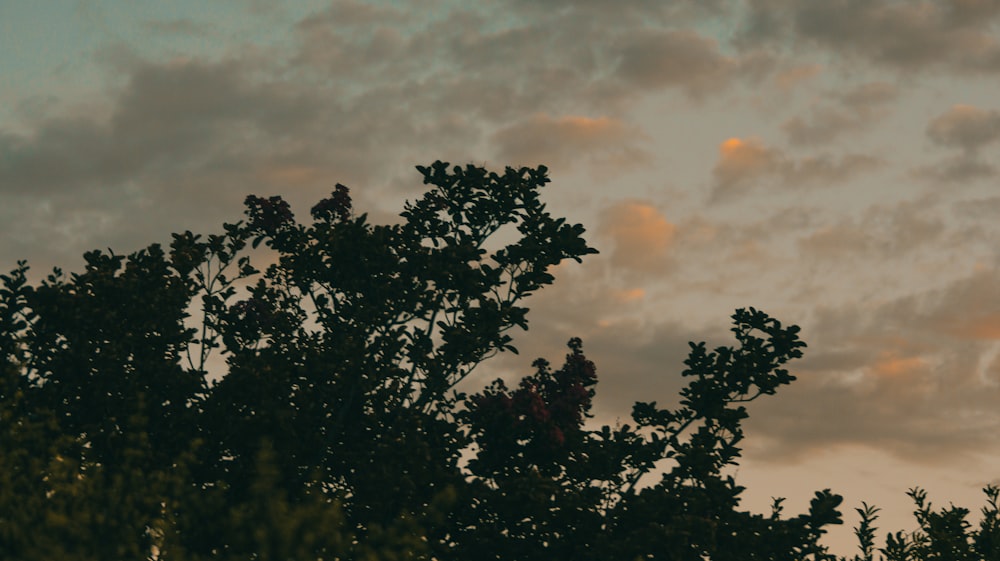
(831, 163)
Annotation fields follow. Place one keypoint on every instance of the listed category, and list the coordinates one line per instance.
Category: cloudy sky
(832, 163)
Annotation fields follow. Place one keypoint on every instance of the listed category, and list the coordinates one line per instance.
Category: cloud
(967, 309)
(963, 168)
(671, 58)
(584, 58)
(854, 110)
(640, 234)
(791, 78)
(180, 26)
(966, 127)
(869, 94)
(979, 209)
(892, 363)
(882, 232)
(635, 359)
(361, 94)
(825, 168)
(685, 59)
(743, 163)
(181, 129)
(351, 13)
(630, 295)
(353, 38)
(984, 326)
(910, 415)
(628, 11)
(557, 141)
(950, 35)
(969, 129)
(169, 117)
(897, 376)
(836, 241)
(904, 374)
(911, 374)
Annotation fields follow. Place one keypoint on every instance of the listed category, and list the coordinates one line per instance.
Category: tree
(941, 535)
(338, 429)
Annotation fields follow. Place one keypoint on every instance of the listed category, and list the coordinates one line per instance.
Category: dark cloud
(685, 59)
(825, 168)
(363, 85)
(823, 125)
(464, 61)
(869, 94)
(631, 12)
(969, 129)
(954, 35)
(914, 376)
(671, 58)
(795, 75)
(960, 169)
(345, 107)
(355, 40)
(882, 232)
(968, 309)
(359, 92)
(169, 117)
(854, 110)
(351, 13)
(745, 163)
(186, 129)
(904, 406)
(891, 376)
(557, 142)
(966, 127)
(977, 209)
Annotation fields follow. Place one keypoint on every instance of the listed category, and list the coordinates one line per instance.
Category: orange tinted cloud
(982, 327)
(630, 295)
(965, 126)
(641, 235)
(587, 127)
(891, 364)
(730, 145)
(787, 80)
(556, 141)
(741, 160)
(289, 175)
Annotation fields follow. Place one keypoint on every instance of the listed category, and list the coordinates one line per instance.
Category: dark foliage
(332, 427)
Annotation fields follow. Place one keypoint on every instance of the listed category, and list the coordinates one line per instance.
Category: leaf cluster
(942, 534)
(333, 425)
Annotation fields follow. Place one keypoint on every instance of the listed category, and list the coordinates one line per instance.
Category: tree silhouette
(337, 430)
(942, 534)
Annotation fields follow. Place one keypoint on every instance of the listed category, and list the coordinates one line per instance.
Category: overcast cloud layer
(832, 163)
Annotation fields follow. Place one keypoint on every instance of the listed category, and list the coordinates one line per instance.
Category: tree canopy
(335, 425)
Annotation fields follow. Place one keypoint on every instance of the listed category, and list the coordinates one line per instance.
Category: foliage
(337, 430)
(944, 534)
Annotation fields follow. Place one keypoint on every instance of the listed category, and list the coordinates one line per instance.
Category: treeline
(337, 430)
